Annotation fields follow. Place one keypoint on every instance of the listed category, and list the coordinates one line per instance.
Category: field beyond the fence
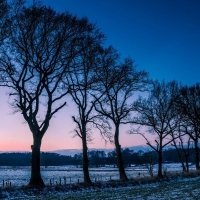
(53, 175)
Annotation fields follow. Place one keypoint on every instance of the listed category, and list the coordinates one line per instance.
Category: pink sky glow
(16, 136)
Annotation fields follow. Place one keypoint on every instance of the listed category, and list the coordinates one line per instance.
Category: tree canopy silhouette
(83, 85)
(189, 106)
(38, 52)
(158, 114)
(119, 80)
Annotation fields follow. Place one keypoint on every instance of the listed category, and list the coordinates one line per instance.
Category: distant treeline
(96, 158)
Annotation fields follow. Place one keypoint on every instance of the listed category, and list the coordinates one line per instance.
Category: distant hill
(71, 152)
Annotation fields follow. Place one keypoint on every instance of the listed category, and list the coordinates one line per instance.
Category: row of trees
(171, 112)
(46, 56)
(96, 158)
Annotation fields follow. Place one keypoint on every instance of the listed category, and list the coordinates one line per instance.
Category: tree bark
(85, 161)
(187, 162)
(160, 164)
(122, 173)
(36, 179)
(196, 154)
(180, 158)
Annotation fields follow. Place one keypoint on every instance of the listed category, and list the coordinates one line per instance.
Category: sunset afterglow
(161, 36)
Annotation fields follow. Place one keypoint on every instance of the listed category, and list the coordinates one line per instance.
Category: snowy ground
(187, 189)
(19, 176)
(179, 188)
(106, 184)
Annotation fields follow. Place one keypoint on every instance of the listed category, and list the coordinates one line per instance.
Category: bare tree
(83, 85)
(157, 113)
(40, 49)
(119, 81)
(189, 105)
(182, 150)
(4, 21)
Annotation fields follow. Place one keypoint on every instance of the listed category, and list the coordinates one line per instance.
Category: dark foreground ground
(172, 186)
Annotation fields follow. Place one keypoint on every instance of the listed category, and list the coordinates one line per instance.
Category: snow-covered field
(177, 188)
(188, 189)
(19, 176)
(181, 188)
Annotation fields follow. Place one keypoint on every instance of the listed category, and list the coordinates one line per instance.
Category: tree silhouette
(83, 85)
(37, 54)
(4, 24)
(97, 158)
(189, 105)
(158, 114)
(119, 81)
(4, 20)
(183, 152)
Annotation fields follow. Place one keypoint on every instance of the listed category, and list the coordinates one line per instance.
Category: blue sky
(162, 36)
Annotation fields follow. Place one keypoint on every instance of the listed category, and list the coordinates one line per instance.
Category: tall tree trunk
(120, 162)
(160, 164)
(196, 154)
(36, 179)
(85, 161)
(180, 157)
(187, 161)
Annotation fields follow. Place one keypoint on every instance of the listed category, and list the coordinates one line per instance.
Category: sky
(163, 37)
